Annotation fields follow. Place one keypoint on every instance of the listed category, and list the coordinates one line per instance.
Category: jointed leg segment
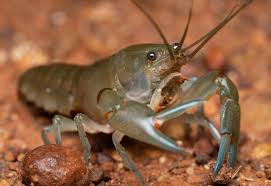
(80, 120)
(60, 124)
(81, 123)
(117, 137)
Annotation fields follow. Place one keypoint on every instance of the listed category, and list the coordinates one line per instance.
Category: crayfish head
(140, 68)
(159, 62)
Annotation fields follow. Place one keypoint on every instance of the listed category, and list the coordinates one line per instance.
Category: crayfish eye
(175, 46)
(151, 56)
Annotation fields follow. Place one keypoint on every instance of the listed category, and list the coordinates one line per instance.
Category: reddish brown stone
(54, 165)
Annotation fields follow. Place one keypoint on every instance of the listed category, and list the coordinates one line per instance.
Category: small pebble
(179, 143)
(162, 159)
(260, 174)
(20, 157)
(54, 165)
(206, 166)
(120, 166)
(9, 156)
(190, 170)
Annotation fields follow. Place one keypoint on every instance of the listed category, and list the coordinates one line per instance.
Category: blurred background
(35, 32)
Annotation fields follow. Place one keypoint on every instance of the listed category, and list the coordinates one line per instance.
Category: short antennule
(204, 39)
(149, 17)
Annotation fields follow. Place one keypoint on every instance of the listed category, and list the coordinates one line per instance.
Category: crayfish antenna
(186, 28)
(157, 28)
(205, 38)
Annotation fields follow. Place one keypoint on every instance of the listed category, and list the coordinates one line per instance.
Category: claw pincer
(137, 121)
(230, 123)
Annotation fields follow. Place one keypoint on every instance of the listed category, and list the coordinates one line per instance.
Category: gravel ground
(42, 32)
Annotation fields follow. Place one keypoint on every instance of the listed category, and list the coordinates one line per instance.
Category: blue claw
(136, 121)
(233, 154)
(223, 151)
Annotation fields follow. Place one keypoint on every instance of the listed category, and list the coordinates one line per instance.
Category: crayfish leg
(117, 137)
(81, 123)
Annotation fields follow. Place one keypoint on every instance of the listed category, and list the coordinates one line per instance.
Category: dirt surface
(41, 32)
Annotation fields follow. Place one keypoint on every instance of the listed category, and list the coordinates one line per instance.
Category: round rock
(54, 165)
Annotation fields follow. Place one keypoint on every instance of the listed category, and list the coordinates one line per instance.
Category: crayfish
(122, 94)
